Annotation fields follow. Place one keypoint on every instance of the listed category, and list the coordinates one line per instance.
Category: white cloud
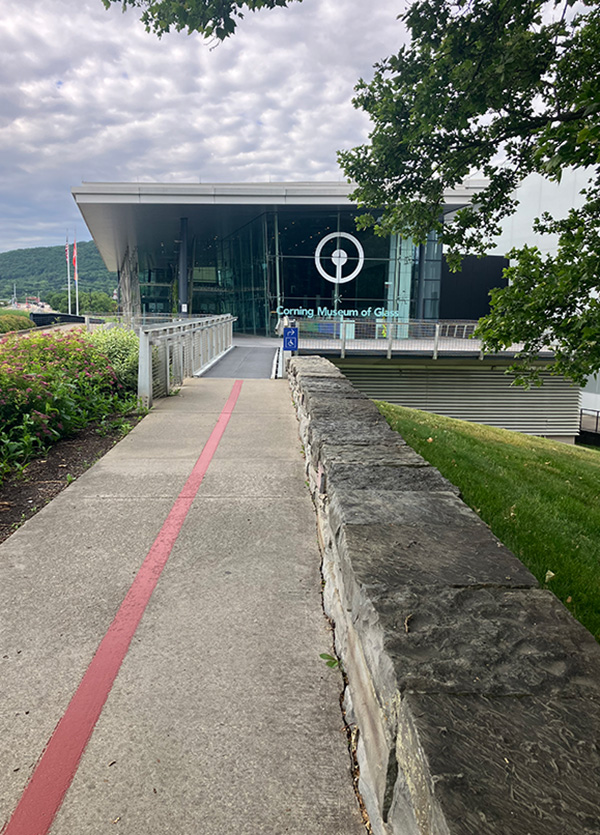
(87, 94)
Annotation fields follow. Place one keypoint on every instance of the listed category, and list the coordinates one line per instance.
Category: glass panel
(288, 260)
(229, 276)
(427, 274)
(156, 290)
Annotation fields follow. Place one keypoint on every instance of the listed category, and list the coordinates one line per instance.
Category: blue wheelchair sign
(290, 339)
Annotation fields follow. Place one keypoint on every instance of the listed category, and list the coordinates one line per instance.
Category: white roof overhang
(145, 217)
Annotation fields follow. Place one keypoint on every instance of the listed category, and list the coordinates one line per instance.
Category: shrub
(51, 385)
(14, 322)
(122, 348)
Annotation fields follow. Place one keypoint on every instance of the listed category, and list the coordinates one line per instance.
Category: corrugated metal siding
(482, 395)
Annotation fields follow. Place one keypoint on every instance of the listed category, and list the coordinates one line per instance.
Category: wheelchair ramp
(245, 363)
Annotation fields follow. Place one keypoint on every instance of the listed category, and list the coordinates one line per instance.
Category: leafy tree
(504, 88)
(92, 301)
(500, 87)
(212, 18)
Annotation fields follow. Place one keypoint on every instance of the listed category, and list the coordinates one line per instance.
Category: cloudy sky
(88, 95)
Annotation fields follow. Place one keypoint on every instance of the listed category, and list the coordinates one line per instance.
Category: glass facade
(306, 262)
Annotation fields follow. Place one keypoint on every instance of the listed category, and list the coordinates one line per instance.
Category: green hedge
(14, 322)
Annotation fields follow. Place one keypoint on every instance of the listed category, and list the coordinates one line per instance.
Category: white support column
(343, 338)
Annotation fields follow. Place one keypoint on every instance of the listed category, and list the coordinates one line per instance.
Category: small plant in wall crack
(330, 660)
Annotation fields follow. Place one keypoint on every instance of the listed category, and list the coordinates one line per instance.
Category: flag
(67, 250)
(75, 275)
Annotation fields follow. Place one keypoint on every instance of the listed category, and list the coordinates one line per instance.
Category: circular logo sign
(338, 258)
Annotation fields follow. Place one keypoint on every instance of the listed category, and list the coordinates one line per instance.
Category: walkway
(251, 359)
(222, 719)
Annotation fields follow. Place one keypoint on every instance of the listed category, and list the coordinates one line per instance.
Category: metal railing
(389, 337)
(171, 352)
(139, 319)
(589, 420)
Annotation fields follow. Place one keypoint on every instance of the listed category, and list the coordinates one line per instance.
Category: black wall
(465, 294)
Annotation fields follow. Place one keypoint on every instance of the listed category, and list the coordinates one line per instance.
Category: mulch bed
(22, 495)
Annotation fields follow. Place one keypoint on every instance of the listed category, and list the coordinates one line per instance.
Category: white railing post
(145, 370)
(343, 337)
(180, 373)
(436, 340)
(390, 340)
(168, 366)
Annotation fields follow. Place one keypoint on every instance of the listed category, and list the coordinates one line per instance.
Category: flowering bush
(122, 347)
(51, 385)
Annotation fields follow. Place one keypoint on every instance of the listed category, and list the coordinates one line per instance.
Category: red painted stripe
(58, 764)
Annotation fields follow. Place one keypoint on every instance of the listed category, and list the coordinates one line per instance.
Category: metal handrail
(173, 351)
(595, 415)
(392, 336)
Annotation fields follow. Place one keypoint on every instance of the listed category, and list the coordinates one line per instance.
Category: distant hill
(43, 270)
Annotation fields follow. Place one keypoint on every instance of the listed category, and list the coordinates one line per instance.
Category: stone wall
(475, 694)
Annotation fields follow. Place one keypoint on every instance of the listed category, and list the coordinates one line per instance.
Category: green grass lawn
(541, 498)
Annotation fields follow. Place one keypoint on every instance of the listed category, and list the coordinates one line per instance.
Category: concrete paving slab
(120, 476)
(196, 395)
(224, 689)
(266, 478)
(249, 438)
(223, 718)
(271, 397)
(63, 576)
(159, 441)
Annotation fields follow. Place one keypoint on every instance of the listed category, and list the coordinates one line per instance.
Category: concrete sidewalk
(223, 719)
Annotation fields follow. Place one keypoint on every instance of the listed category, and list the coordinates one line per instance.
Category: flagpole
(68, 271)
(75, 273)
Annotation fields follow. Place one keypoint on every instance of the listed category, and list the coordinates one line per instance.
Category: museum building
(259, 251)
